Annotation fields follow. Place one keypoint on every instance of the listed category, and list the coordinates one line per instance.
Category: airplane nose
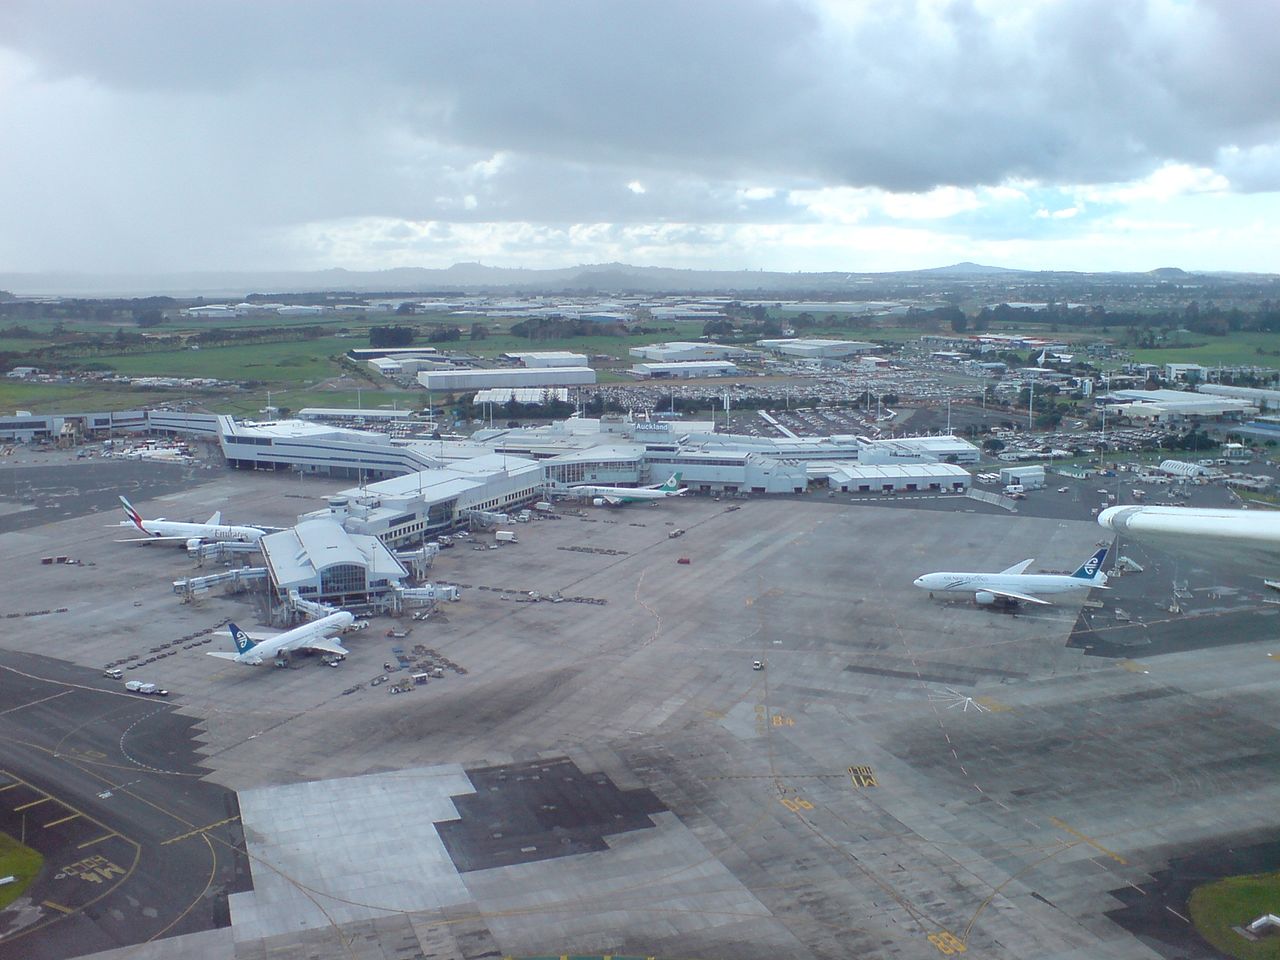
(919, 581)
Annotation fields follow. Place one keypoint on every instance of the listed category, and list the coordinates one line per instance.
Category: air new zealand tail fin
(1091, 569)
(241, 639)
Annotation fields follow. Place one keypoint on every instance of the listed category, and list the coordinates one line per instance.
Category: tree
(390, 336)
(406, 309)
(148, 318)
(993, 445)
(479, 331)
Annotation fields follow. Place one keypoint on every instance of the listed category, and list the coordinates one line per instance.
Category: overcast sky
(164, 135)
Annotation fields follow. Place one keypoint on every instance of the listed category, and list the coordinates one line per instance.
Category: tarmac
(906, 777)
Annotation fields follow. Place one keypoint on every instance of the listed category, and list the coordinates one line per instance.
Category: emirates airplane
(176, 531)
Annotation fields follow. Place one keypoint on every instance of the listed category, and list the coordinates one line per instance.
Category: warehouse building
(480, 379)
(548, 358)
(898, 478)
(683, 369)
(942, 449)
(1174, 406)
(1030, 478)
(818, 349)
(1262, 399)
(678, 351)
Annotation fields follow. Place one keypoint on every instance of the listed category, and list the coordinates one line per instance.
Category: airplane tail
(134, 516)
(1091, 569)
(241, 639)
(216, 519)
(673, 483)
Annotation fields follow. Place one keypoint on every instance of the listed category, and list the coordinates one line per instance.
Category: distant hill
(967, 269)
(599, 278)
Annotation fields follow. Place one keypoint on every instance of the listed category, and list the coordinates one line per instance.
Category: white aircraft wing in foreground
(1246, 538)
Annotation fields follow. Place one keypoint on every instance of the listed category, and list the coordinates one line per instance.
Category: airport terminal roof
(297, 556)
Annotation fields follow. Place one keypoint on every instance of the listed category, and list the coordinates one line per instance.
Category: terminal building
(411, 489)
(323, 562)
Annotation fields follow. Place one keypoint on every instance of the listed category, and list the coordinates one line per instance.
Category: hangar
(898, 478)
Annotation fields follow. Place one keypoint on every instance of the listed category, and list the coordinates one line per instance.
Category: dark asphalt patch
(542, 810)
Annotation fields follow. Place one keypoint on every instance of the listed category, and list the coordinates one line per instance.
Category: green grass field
(18, 861)
(1238, 349)
(1217, 907)
(289, 363)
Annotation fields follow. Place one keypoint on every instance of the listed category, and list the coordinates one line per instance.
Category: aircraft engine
(597, 502)
(984, 598)
(193, 545)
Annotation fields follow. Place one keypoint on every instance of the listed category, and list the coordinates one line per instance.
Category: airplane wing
(323, 645)
(1020, 597)
(159, 539)
(221, 654)
(612, 501)
(1017, 568)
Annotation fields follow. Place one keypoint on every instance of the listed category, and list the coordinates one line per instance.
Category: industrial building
(548, 358)
(1173, 406)
(683, 369)
(898, 478)
(1262, 399)
(479, 379)
(678, 351)
(1030, 477)
(818, 349)
(522, 395)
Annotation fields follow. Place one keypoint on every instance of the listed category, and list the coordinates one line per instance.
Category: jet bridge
(193, 588)
(222, 550)
(309, 607)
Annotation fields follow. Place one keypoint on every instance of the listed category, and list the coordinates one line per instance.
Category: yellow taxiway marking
(54, 823)
(33, 803)
(1274, 656)
(992, 704)
(9, 786)
(56, 906)
(1089, 840)
(199, 830)
(1133, 666)
(90, 843)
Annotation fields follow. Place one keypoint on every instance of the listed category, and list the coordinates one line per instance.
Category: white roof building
(818, 349)
(680, 350)
(322, 561)
(684, 368)
(549, 358)
(480, 379)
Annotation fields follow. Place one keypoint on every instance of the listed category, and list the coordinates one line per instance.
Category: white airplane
(617, 496)
(1012, 586)
(177, 531)
(316, 636)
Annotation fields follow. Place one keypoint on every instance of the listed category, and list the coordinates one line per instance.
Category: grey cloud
(208, 123)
